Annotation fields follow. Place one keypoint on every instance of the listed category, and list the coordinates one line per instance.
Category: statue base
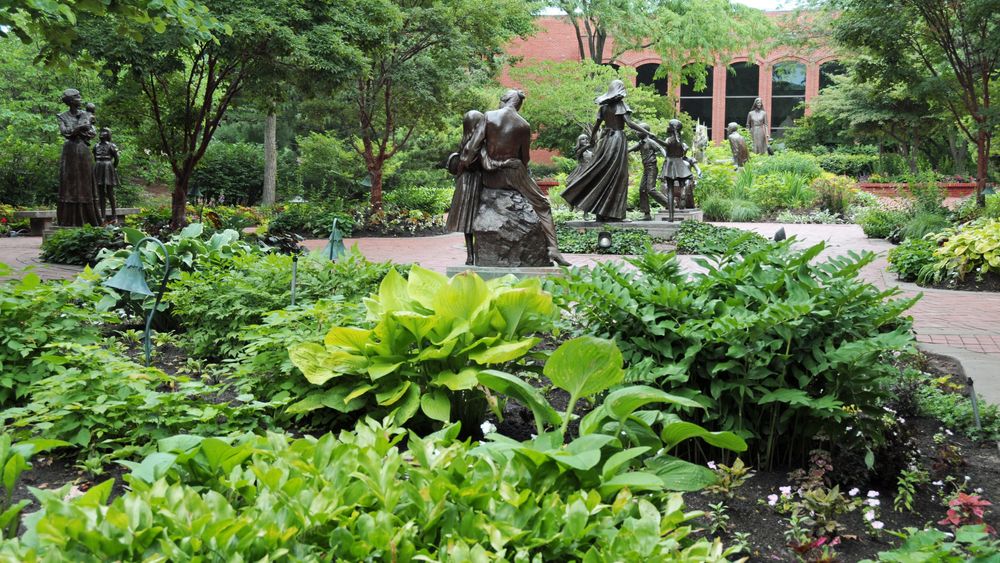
(491, 272)
(681, 215)
(507, 232)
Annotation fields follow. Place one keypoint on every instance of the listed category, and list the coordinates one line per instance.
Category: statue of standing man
(502, 143)
(76, 167)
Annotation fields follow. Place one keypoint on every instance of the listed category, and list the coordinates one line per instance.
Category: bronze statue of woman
(601, 185)
(468, 186)
(757, 125)
(76, 167)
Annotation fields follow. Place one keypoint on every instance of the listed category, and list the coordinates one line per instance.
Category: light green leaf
(680, 475)
(348, 338)
(506, 352)
(153, 467)
(194, 230)
(634, 481)
(464, 379)
(424, 284)
(585, 366)
(514, 386)
(623, 402)
(676, 432)
(393, 394)
(436, 405)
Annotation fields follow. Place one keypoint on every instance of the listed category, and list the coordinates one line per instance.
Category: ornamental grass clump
(780, 349)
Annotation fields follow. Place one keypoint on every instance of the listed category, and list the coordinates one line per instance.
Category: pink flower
(772, 499)
(854, 492)
(870, 515)
(785, 491)
(712, 466)
(872, 494)
(878, 525)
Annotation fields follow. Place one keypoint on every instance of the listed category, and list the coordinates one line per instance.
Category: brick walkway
(960, 319)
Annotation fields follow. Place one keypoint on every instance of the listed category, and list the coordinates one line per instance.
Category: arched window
(788, 92)
(644, 76)
(742, 81)
(828, 70)
(698, 103)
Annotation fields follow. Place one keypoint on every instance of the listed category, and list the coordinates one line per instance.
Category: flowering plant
(966, 509)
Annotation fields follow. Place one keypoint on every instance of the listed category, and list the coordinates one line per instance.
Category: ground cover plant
(579, 241)
(696, 237)
(779, 349)
(80, 246)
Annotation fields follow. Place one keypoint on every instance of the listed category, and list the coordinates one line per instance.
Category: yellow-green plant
(432, 338)
(974, 247)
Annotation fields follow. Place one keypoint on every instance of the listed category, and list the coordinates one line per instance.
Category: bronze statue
(757, 125)
(601, 186)
(502, 145)
(648, 150)
(76, 168)
(700, 142)
(677, 169)
(582, 151)
(468, 186)
(738, 145)
(105, 173)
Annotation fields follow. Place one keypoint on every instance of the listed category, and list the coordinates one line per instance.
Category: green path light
(132, 278)
(335, 248)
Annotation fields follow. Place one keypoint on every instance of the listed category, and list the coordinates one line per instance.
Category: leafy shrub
(330, 168)
(881, 223)
(835, 193)
(968, 543)
(782, 191)
(80, 245)
(695, 237)
(432, 337)
(126, 404)
(907, 259)
(847, 164)
(237, 218)
(361, 496)
(973, 247)
(969, 210)
(716, 208)
(743, 211)
(821, 217)
(392, 221)
(153, 220)
(580, 241)
(312, 219)
(936, 398)
(924, 223)
(8, 222)
(231, 172)
(803, 165)
(716, 182)
(29, 171)
(35, 315)
(925, 194)
(778, 348)
(434, 201)
(213, 304)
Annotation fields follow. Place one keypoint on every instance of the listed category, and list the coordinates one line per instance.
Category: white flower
(938, 483)
(870, 515)
(872, 494)
(849, 428)
(772, 499)
(948, 432)
(854, 492)
(873, 502)
(785, 491)
(712, 466)
(533, 436)
(487, 428)
(979, 490)
(902, 420)
(878, 525)
(967, 478)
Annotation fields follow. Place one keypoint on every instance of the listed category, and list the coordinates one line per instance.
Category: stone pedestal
(681, 215)
(507, 232)
(490, 272)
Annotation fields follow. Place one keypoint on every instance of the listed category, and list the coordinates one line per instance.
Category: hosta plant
(973, 248)
(433, 336)
(14, 460)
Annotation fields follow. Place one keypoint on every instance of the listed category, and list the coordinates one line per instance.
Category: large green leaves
(585, 366)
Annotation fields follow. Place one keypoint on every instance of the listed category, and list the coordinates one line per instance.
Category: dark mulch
(989, 282)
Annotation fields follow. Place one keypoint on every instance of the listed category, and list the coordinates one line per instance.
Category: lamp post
(132, 278)
(604, 240)
(335, 247)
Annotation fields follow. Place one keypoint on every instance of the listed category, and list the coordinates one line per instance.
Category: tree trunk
(178, 202)
(982, 162)
(376, 195)
(270, 158)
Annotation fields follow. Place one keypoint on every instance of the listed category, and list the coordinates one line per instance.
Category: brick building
(782, 79)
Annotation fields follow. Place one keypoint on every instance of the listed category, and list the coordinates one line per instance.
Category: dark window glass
(827, 71)
(788, 79)
(737, 110)
(644, 77)
(700, 109)
(687, 87)
(784, 112)
(742, 80)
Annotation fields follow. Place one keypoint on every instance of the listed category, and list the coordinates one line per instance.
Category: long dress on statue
(600, 186)
(468, 184)
(757, 124)
(76, 172)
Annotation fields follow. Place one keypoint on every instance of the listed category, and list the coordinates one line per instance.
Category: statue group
(87, 178)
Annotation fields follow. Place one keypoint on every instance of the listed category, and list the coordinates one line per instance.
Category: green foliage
(36, 315)
(923, 223)
(330, 168)
(973, 247)
(836, 193)
(10, 223)
(80, 245)
(213, 304)
(29, 171)
(432, 337)
(433, 201)
(716, 181)
(357, 497)
(848, 164)
(312, 219)
(696, 237)
(716, 208)
(580, 241)
(787, 162)
(911, 256)
(14, 461)
(393, 221)
(936, 397)
(821, 217)
(785, 190)
(778, 348)
(880, 223)
(127, 405)
(742, 211)
(968, 543)
(231, 172)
